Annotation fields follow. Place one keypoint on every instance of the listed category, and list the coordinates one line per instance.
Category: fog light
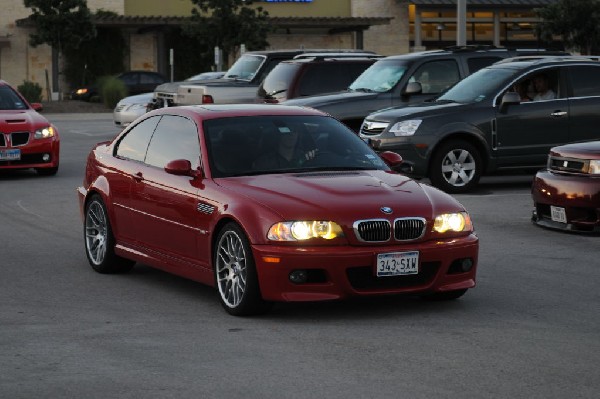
(298, 276)
(46, 157)
(466, 264)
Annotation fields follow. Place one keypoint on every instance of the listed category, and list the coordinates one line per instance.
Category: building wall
(385, 39)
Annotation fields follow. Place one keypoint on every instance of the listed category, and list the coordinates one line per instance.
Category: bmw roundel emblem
(386, 209)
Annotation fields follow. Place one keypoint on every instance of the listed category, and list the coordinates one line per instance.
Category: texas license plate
(397, 263)
(558, 214)
(10, 155)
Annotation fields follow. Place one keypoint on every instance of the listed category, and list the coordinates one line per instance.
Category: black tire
(47, 171)
(455, 167)
(445, 296)
(99, 240)
(235, 274)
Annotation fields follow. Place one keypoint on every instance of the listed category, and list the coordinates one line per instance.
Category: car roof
(215, 111)
(475, 49)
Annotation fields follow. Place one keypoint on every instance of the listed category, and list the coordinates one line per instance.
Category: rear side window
(585, 81)
(329, 77)
(476, 63)
(135, 143)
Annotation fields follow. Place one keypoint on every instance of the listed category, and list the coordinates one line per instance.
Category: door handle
(138, 176)
(558, 113)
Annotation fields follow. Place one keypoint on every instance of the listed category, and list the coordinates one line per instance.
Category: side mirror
(510, 97)
(413, 88)
(180, 167)
(37, 106)
(390, 158)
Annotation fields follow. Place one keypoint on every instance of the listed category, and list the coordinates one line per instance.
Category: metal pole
(461, 22)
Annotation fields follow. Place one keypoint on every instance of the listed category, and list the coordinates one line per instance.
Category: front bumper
(32, 155)
(579, 195)
(343, 272)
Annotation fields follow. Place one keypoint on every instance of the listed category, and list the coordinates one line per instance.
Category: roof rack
(471, 47)
(548, 58)
(325, 55)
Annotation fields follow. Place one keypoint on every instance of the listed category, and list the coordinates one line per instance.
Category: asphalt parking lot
(530, 329)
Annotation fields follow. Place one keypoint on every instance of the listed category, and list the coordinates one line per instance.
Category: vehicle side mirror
(413, 88)
(180, 167)
(510, 97)
(37, 106)
(390, 158)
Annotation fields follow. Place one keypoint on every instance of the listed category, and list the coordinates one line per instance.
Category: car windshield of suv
(477, 87)
(258, 145)
(380, 77)
(245, 68)
(9, 100)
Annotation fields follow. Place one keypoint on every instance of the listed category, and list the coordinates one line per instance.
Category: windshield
(477, 87)
(246, 67)
(9, 100)
(256, 145)
(380, 77)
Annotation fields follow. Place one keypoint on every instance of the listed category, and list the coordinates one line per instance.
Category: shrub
(31, 91)
(111, 90)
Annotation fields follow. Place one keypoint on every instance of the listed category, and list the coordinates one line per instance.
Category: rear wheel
(455, 167)
(235, 273)
(99, 240)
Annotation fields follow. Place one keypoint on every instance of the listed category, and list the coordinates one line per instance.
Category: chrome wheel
(96, 233)
(458, 167)
(231, 268)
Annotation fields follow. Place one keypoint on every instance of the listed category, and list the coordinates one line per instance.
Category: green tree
(576, 21)
(62, 24)
(228, 24)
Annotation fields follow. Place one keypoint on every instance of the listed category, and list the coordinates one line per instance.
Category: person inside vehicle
(289, 152)
(522, 89)
(542, 88)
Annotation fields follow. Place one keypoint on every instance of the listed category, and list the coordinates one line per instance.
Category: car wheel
(99, 240)
(455, 167)
(235, 273)
(47, 171)
(445, 296)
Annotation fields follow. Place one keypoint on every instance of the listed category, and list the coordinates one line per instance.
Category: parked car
(206, 76)
(483, 125)
(27, 139)
(311, 75)
(137, 82)
(239, 84)
(326, 220)
(385, 83)
(130, 108)
(566, 194)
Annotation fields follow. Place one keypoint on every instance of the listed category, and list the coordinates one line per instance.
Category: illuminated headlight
(44, 133)
(453, 222)
(406, 128)
(304, 230)
(594, 168)
(81, 91)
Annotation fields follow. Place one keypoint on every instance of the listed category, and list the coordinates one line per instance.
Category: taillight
(207, 99)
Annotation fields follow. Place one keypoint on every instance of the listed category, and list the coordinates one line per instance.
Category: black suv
(311, 74)
(505, 116)
(385, 83)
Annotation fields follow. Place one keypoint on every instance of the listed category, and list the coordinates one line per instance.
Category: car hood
(589, 150)
(331, 99)
(17, 121)
(422, 109)
(342, 196)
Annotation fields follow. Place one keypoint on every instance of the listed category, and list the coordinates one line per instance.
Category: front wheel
(455, 167)
(99, 240)
(235, 273)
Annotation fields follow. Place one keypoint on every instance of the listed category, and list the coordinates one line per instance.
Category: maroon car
(566, 194)
(270, 203)
(27, 139)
